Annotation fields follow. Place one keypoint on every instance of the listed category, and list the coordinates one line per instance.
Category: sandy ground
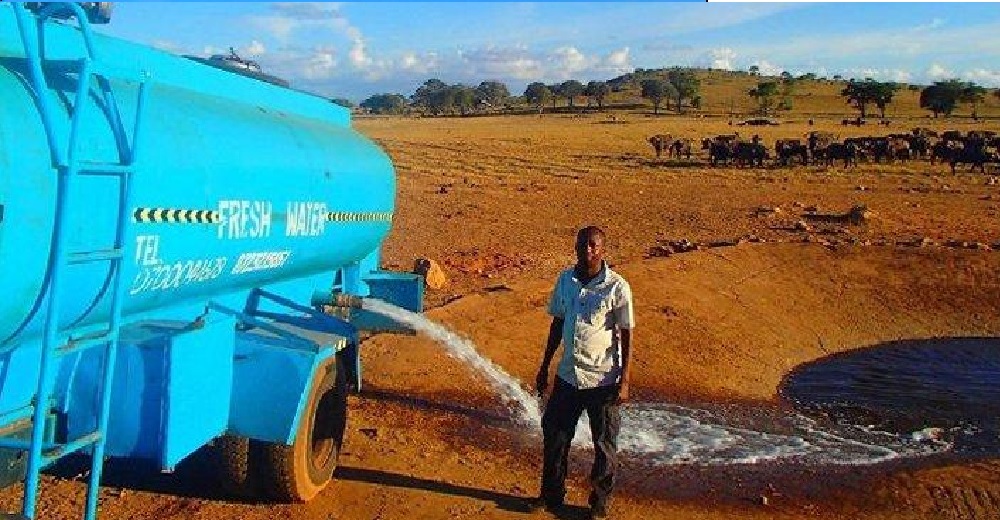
(497, 201)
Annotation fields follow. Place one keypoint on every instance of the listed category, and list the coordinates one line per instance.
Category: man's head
(590, 247)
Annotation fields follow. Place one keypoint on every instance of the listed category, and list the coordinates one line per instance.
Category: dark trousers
(558, 426)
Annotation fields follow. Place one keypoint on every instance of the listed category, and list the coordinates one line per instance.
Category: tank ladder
(69, 167)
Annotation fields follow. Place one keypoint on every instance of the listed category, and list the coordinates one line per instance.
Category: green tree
(441, 101)
(537, 94)
(385, 103)
(788, 84)
(346, 103)
(570, 89)
(556, 90)
(859, 94)
(492, 94)
(597, 91)
(882, 94)
(942, 97)
(656, 90)
(973, 94)
(685, 85)
(463, 98)
(425, 94)
(764, 93)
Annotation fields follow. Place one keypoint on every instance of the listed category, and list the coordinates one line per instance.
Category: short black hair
(590, 231)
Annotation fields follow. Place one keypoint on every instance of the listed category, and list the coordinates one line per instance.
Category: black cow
(847, 152)
(788, 149)
(975, 153)
(718, 150)
(750, 154)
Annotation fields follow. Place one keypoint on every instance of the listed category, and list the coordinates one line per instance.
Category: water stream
(662, 433)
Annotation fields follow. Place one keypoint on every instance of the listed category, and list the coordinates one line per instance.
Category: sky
(355, 50)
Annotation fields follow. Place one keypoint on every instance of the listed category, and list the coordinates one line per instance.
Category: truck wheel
(236, 469)
(297, 473)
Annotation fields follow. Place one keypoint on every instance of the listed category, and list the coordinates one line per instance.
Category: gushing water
(515, 396)
(673, 434)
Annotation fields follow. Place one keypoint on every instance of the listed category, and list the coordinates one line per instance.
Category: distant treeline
(674, 88)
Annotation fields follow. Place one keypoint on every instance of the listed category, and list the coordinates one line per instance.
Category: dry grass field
(775, 279)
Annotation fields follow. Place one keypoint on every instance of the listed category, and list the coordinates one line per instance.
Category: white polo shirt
(593, 315)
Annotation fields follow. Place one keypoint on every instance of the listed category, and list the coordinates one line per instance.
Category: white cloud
(510, 62)
(767, 68)
(618, 62)
(937, 71)
(255, 48)
(721, 58)
(321, 64)
(565, 62)
(410, 61)
(985, 77)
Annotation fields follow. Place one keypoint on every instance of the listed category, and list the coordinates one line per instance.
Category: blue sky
(354, 50)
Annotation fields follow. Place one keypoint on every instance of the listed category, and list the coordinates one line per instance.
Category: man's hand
(542, 380)
(623, 393)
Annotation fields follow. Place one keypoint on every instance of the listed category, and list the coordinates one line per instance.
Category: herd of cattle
(975, 148)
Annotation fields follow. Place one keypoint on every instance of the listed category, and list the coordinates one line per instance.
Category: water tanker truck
(173, 238)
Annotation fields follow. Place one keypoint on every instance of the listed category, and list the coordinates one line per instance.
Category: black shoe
(598, 513)
(537, 504)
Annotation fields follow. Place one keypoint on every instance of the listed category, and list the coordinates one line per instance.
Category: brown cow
(660, 143)
(680, 147)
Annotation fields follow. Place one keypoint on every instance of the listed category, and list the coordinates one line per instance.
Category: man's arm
(626, 364)
(555, 335)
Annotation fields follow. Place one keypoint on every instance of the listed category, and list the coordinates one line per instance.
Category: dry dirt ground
(497, 201)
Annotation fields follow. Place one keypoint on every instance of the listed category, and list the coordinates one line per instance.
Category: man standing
(592, 316)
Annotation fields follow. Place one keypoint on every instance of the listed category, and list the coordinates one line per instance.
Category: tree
(441, 101)
(809, 76)
(942, 96)
(974, 95)
(556, 90)
(537, 94)
(754, 70)
(685, 85)
(763, 92)
(424, 95)
(597, 91)
(570, 89)
(385, 103)
(788, 84)
(882, 94)
(656, 90)
(492, 94)
(346, 103)
(862, 93)
(463, 97)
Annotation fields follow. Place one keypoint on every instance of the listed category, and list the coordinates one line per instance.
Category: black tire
(237, 471)
(297, 473)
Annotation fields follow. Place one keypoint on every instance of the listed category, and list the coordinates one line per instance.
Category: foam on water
(673, 434)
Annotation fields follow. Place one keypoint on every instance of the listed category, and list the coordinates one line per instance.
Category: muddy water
(662, 433)
(948, 388)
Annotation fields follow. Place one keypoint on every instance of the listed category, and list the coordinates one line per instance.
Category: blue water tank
(238, 184)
